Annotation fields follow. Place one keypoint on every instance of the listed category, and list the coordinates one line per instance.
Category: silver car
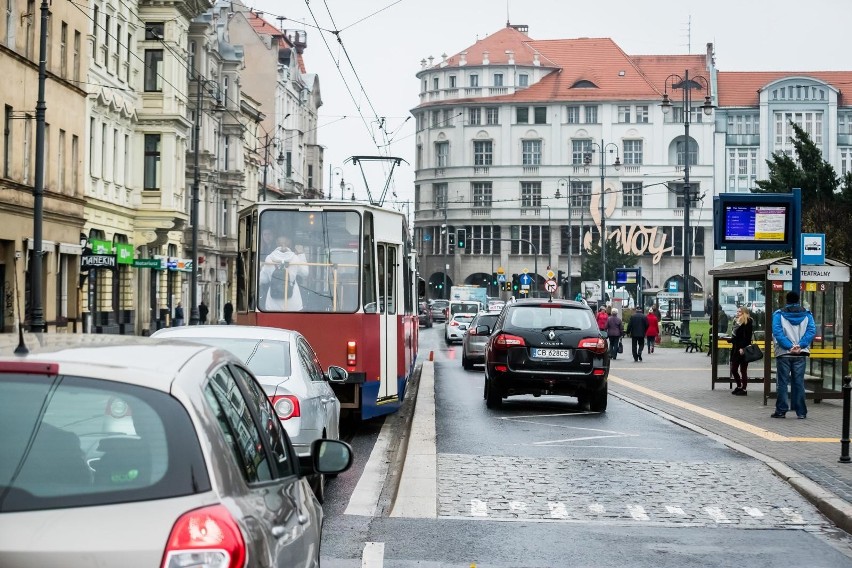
(198, 472)
(287, 367)
(473, 345)
(456, 326)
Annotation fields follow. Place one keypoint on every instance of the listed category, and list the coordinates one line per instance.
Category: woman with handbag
(614, 332)
(741, 336)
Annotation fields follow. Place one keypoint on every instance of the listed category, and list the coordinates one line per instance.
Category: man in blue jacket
(793, 329)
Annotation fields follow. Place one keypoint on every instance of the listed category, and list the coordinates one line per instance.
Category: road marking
(478, 508)
(753, 511)
(733, 422)
(675, 511)
(638, 512)
(558, 510)
(365, 499)
(795, 518)
(374, 555)
(716, 514)
(597, 508)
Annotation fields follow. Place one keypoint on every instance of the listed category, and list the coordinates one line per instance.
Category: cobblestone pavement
(629, 491)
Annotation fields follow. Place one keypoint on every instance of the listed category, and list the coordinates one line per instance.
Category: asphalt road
(541, 483)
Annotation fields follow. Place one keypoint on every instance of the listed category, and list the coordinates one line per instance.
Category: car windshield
(75, 441)
(539, 317)
(263, 357)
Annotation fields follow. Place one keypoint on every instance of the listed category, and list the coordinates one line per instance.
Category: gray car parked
(136, 452)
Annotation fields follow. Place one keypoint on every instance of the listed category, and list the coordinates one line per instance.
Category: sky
(368, 80)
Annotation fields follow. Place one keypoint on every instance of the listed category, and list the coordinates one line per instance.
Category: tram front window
(313, 265)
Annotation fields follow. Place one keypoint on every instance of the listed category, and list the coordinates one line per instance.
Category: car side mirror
(331, 456)
(483, 330)
(337, 374)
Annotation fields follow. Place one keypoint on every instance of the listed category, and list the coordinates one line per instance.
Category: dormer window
(584, 84)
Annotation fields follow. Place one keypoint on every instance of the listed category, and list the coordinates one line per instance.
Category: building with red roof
(511, 130)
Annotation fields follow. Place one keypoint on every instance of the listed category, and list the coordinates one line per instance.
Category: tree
(826, 198)
(615, 258)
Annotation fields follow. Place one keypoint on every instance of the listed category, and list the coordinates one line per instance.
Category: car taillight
(351, 353)
(30, 368)
(205, 537)
(595, 344)
(505, 340)
(286, 406)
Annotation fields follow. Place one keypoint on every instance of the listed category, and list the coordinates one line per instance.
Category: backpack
(276, 284)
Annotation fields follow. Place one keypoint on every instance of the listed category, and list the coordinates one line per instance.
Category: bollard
(844, 440)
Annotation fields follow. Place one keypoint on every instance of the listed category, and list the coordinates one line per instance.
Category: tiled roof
(262, 27)
(496, 45)
(616, 75)
(740, 88)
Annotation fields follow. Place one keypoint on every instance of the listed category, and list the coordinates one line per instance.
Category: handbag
(752, 353)
(620, 347)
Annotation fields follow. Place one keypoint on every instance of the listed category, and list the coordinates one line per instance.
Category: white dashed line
(716, 514)
(675, 511)
(597, 508)
(753, 511)
(638, 512)
(478, 508)
(558, 511)
(793, 516)
(374, 555)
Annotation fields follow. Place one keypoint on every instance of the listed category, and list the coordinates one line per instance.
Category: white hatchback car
(285, 364)
(197, 472)
(456, 327)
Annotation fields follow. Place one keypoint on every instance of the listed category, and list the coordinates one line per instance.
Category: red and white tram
(343, 274)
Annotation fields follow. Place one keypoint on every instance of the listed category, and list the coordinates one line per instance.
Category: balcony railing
(481, 212)
(473, 91)
(530, 211)
(440, 172)
(480, 170)
(493, 91)
(530, 170)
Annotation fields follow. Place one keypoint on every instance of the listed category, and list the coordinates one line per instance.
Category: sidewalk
(804, 452)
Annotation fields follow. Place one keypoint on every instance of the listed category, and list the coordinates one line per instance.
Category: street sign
(550, 285)
(813, 248)
(147, 263)
(526, 279)
(501, 277)
(673, 286)
(550, 274)
(526, 270)
(500, 270)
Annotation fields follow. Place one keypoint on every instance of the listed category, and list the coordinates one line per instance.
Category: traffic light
(461, 238)
(494, 279)
(516, 284)
(451, 243)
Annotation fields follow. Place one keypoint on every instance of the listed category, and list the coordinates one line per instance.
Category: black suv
(540, 346)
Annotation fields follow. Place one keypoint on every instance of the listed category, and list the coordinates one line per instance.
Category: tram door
(388, 268)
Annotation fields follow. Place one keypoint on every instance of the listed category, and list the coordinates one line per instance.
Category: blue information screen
(756, 223)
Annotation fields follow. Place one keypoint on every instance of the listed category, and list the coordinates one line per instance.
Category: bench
(695, 344)
(669, 328)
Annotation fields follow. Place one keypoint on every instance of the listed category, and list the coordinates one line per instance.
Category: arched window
(584, 84)
(680, 150)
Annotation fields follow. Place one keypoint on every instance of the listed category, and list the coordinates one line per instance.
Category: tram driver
(280, 273)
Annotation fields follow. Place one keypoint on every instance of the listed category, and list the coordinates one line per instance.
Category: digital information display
(626, 276)
(756, 223)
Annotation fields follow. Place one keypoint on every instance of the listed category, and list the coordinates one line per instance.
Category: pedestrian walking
(708, 304)
(228, 312)
(793, 330)
(637, 327)
(614, 333)
(653, 329)
(741, 337)
(602, 318)
(202, 312)
(178, 319)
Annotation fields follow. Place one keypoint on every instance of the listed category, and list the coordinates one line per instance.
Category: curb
(837, 510)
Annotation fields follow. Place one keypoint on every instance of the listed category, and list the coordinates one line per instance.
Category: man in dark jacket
(637, 326)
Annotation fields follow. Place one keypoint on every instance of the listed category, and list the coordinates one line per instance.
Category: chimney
(710, 60)
(485, 60)
(536, 62)
(462, 58)
(423, 64)
(444, 60)
(511, 55)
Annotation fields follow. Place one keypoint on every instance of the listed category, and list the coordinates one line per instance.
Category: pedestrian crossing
(740, 516)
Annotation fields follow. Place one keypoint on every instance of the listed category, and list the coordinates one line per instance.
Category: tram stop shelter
(761, 286)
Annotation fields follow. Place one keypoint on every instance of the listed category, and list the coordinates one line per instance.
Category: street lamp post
(602, 149)
(267, 143)
(193, 214)
(685, 84)
(331, 173)
(570, 224)
(549, 237)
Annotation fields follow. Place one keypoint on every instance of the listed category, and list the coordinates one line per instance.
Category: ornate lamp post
(602, 148)
(685, 85)
(567, 182)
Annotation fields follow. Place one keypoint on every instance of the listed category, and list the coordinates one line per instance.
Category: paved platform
(804, 452)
